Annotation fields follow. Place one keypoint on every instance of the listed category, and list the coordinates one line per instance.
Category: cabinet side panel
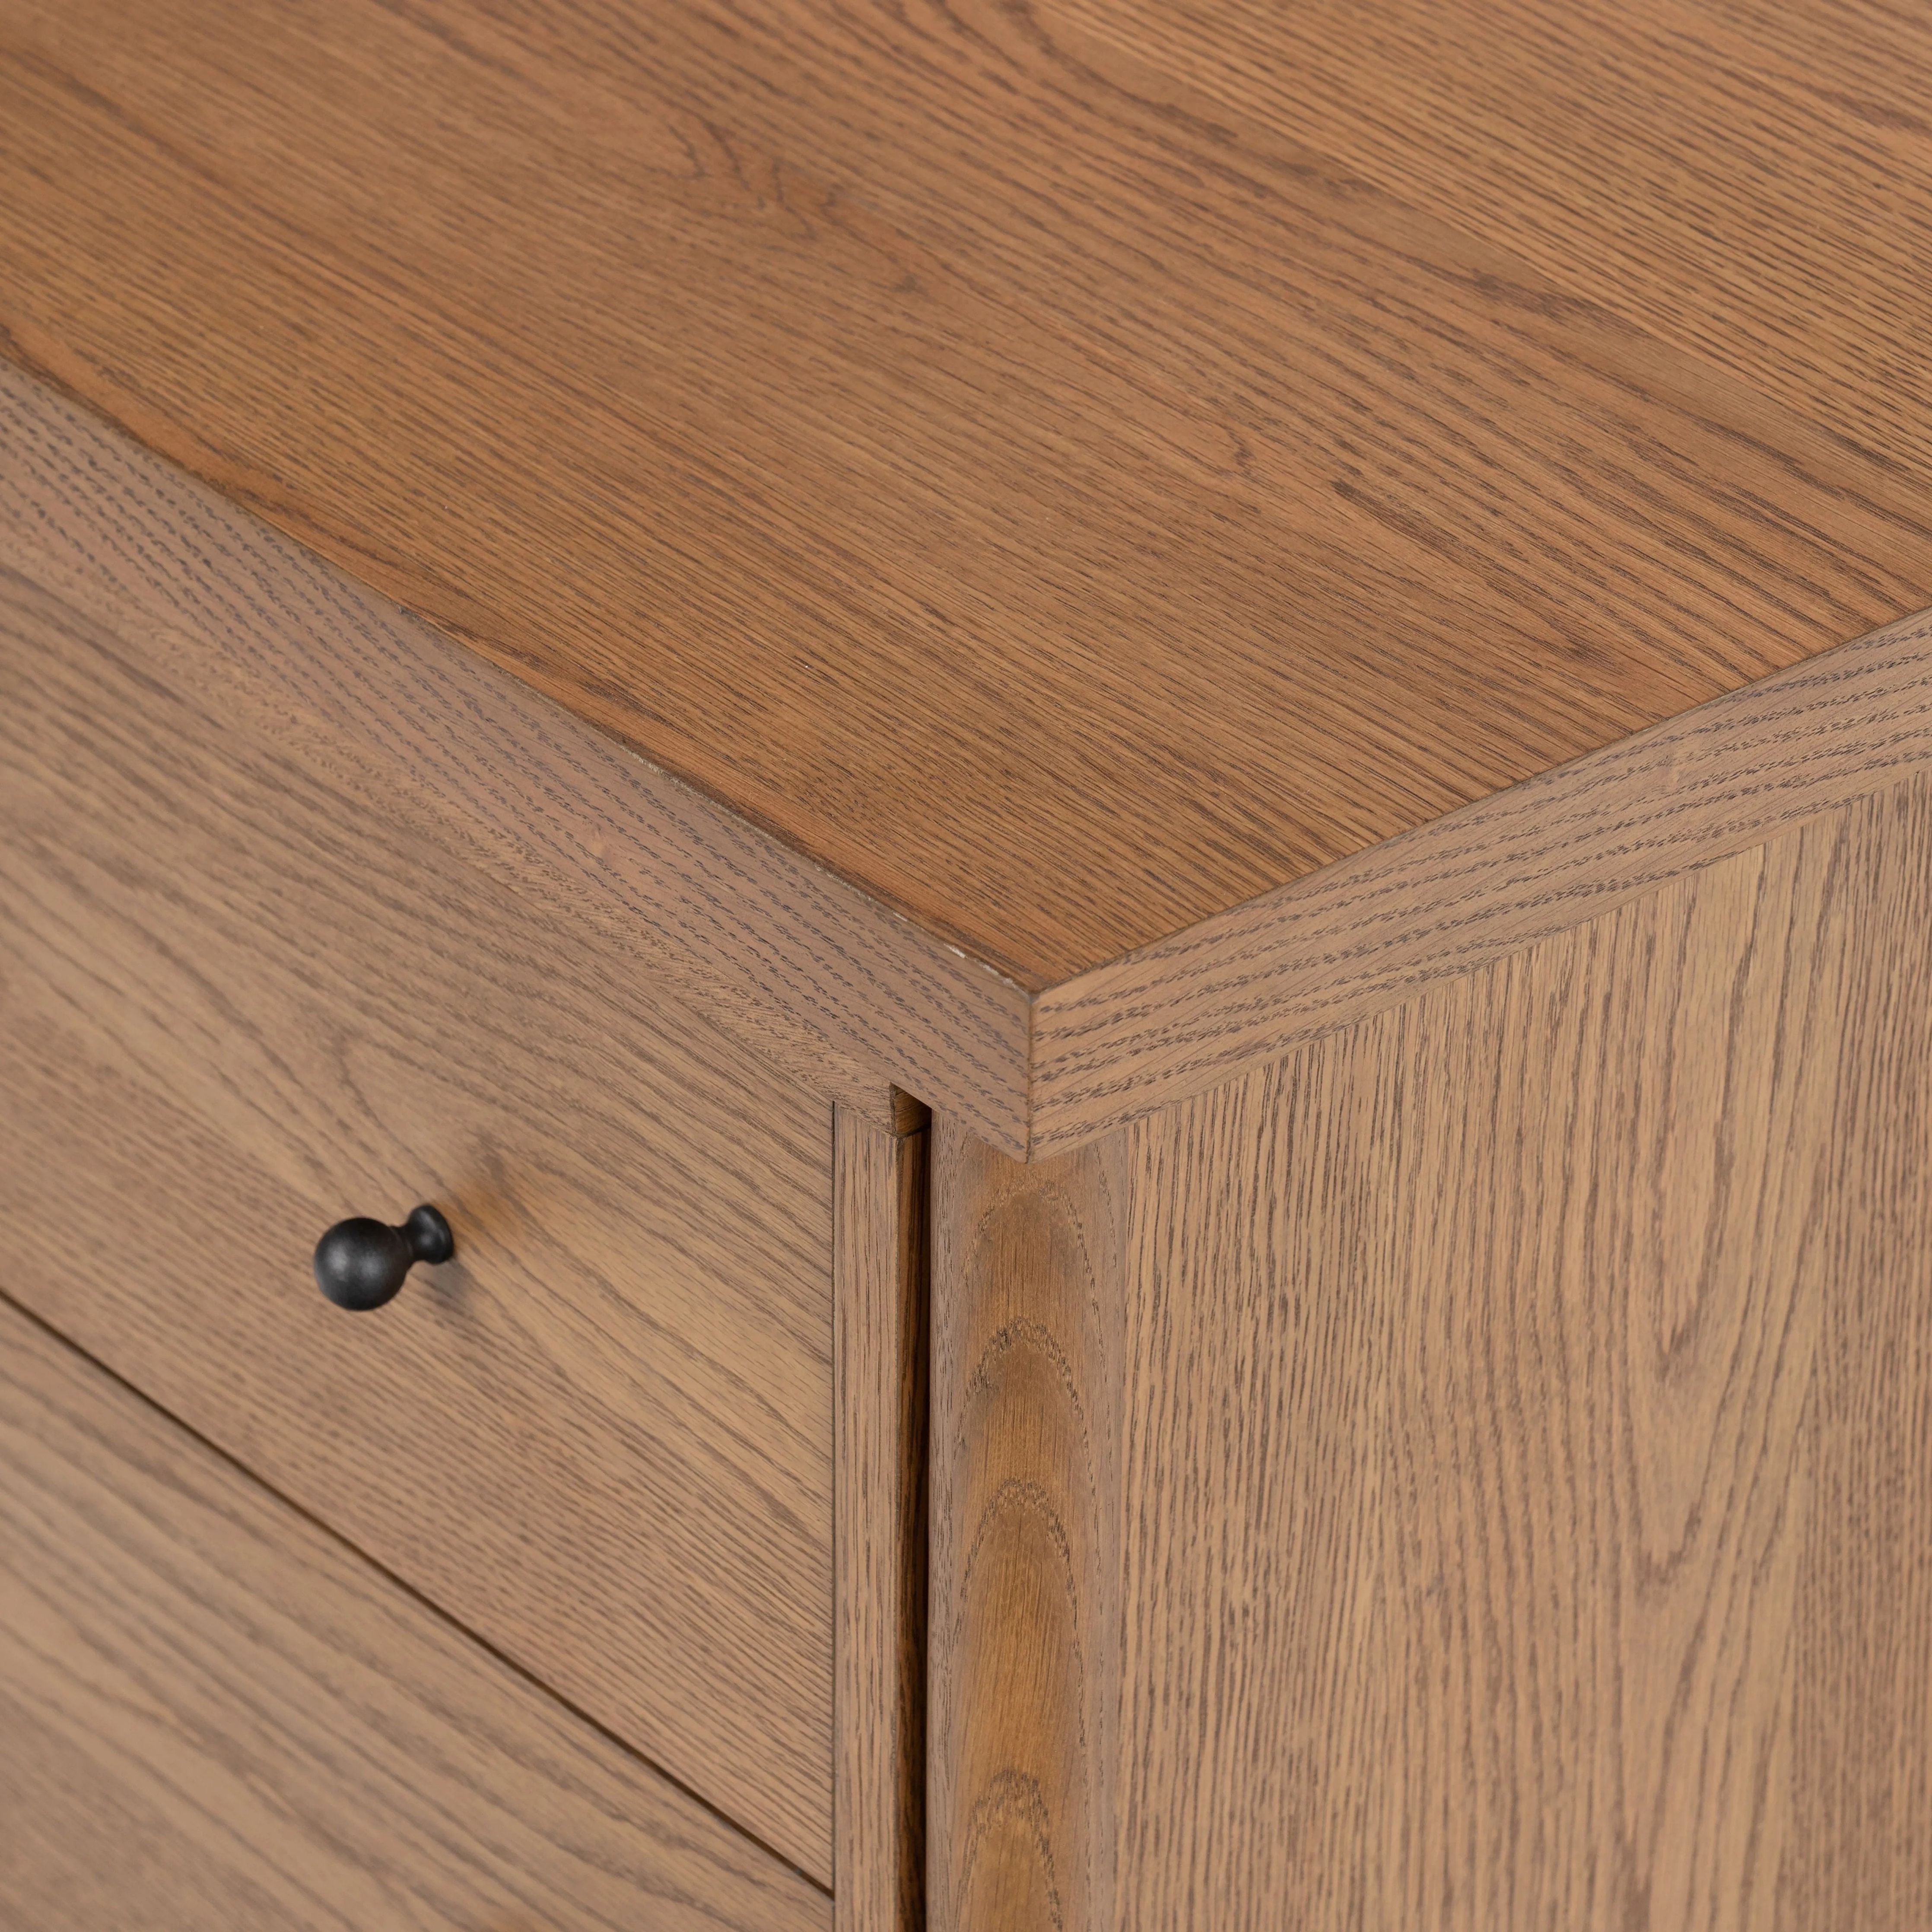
(879, 1339)
(1487, 1368)
(1025, 1611)
(1860, 1853)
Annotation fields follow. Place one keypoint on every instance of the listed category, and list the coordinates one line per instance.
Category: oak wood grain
(212, 1713)
(1024, 1658)
(238, 1003)
(1521, 1424)
(1747, 180)
(841, 994)
(1373, 931)
(879, 1317)
(832, 987)
(1862, 1659)
(816, 402)
(1495, 1596)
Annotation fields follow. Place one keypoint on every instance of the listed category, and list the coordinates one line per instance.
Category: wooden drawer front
(213, 1714)
(237, 1004)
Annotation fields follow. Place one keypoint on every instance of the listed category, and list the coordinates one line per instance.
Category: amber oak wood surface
(1861, 1653)
(284, 648)
(214, 1713)
(830, 984)
(1372, 931)
(1747, 180)
(1024, 1655)
(880, 1327)
(1477, 1471)
(237, 1002)
(1068, 472)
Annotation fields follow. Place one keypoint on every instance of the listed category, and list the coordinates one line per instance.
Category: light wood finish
(213, 1714)
(1862, 1655)
(1504, 1468)
(879, 1344)
(237, 1002)
(1206, 485)
(1023, 1652)
(844, 995)
(832, 986)
(1507, 1535)
(1376, 929)
(1298, 616)
(1745, 178)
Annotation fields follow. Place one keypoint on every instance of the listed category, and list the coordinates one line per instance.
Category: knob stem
(428, 1234)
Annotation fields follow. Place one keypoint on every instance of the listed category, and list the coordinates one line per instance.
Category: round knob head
(361, 1263)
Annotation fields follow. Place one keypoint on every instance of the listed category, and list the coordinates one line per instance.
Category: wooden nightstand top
(1068, 470)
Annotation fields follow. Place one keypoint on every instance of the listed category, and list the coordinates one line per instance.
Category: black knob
(361, 1263)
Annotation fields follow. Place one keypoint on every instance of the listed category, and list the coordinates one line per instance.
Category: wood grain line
(841, 992)
(1156, 1026)
(879, 1329)
(214, 1713)
(1026, 1590)
(235, 998)
(1197, 431)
